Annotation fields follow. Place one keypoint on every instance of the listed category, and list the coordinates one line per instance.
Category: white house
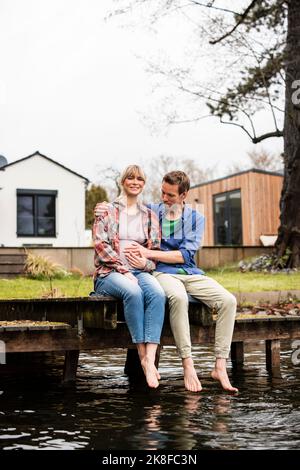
(41, 203)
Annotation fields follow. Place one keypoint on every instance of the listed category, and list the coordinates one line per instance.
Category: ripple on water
(105, 411)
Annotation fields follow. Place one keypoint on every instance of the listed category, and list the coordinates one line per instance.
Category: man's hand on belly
(138, 250)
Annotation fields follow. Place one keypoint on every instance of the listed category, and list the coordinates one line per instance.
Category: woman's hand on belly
(138, 250)
(137, 262)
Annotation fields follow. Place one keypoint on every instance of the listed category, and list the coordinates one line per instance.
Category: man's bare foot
(191, 381)
(220, 374)
(150, 372)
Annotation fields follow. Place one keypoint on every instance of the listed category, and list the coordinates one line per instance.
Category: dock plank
(71, 325)
(93, 312)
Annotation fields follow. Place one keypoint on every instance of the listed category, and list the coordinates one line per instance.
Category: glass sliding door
(228, 218)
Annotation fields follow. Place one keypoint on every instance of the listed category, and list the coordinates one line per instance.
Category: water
(104, 411)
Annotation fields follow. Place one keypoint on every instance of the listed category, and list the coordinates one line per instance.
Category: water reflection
(106, 411)
(221, 408)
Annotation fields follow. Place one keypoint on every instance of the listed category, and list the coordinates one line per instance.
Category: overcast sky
(74, 87)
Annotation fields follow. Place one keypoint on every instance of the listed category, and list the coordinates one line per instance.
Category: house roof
(251, 170)
(47, 158)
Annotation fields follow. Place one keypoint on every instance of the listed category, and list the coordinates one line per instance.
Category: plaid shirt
(107, 242)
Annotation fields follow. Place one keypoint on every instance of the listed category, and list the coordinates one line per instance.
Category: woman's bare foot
(191, 381)
(151, 373)
(220, 373)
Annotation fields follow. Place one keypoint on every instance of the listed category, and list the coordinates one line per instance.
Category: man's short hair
(180, 178)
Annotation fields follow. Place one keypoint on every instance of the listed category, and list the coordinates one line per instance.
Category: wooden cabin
(239, 208)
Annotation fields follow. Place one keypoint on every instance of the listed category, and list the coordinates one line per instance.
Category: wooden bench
(71, 325)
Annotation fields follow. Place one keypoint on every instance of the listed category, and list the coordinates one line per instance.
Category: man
(176, 271)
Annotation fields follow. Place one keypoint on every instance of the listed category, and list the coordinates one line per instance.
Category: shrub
(268, 263)
(76, 272)
(40, 267)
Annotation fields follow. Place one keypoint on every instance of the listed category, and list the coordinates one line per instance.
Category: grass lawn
(22, 288)
(231, 279)
(236, 281)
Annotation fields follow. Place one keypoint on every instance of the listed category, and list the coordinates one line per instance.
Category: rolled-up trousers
(211, 293)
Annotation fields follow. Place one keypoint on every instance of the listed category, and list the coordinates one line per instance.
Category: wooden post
(157, 356)
(273, 354)
(70, 366)
(133, 366)
(237, 353)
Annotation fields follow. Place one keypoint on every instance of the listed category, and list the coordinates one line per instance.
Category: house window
(36, 213)
(228, 218)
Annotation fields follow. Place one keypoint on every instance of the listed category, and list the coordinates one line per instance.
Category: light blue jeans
(144, 303)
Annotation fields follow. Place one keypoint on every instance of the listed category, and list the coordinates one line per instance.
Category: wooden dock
(71, 325)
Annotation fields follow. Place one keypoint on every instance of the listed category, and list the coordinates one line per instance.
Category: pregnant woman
(128, 277)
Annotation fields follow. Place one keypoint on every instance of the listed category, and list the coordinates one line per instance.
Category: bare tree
(265, 160)
(163, 164)
(155, 169)
(246, 63)
(263, 35)
(109, 178)
(260, 159)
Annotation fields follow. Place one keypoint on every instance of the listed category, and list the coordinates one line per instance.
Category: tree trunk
(289, 229)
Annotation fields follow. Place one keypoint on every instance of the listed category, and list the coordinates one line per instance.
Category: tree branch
(276, 133)
(264, 81)
(213, 7)
(243, 16)
(238, 125)
(254, 139)
(195, 119)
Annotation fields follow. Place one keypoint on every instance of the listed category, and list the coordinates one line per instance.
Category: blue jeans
(144, 303)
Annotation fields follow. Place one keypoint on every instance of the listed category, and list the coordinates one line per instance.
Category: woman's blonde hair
(132, 170)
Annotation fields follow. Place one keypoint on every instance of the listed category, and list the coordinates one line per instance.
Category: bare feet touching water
(151, 373)
(191, 381)
(219, 373)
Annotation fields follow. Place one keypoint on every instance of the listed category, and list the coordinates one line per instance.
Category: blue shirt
(186, 238)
